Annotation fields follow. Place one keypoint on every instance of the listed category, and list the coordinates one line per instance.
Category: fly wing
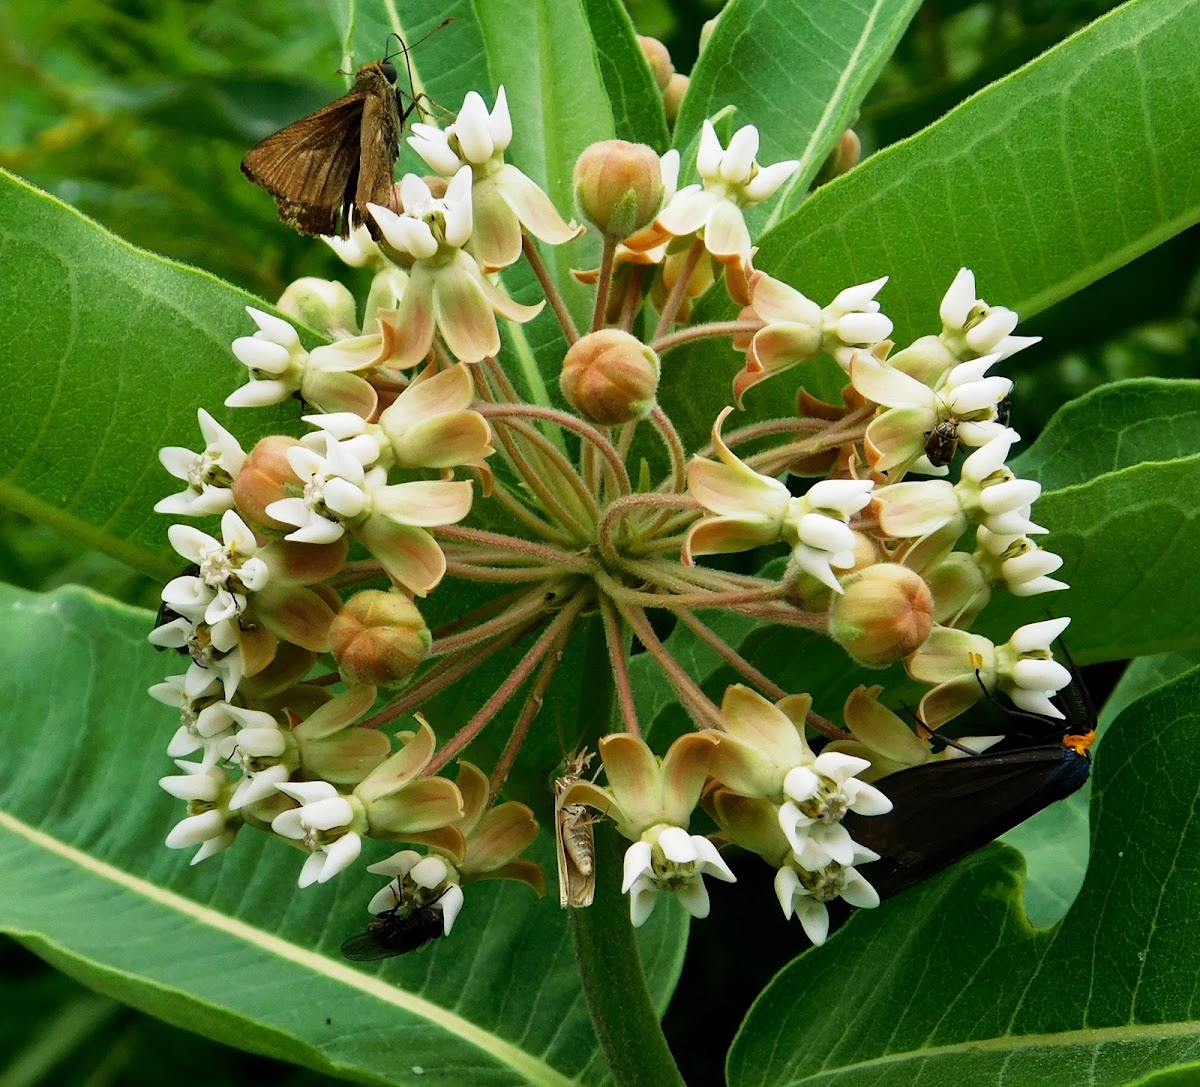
(367, 946)
(311, 167)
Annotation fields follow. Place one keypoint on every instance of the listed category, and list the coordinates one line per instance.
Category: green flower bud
(884, 614)
(323, 304)
(618, 186)
(659, 60)
(610, 377)
(378, 637)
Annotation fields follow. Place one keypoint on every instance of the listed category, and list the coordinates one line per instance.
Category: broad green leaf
(55, 1032)
(544, 55)
(1131, 551)
(117, 349)
(797, 70)
(1113, 427)
(231, 949)
(1042, 183)
(633, 96)
(948, 984)
(1055, 841)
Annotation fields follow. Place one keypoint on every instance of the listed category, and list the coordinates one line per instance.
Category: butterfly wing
(379, 147)
(942, 811)
(311, 167)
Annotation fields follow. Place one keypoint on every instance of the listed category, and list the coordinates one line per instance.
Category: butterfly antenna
(926, 733)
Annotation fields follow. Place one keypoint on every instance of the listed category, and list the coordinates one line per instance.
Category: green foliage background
(137, 113)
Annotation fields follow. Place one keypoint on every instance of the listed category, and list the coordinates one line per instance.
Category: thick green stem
(614, 984)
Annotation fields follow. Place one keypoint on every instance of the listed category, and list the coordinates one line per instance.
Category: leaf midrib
(523, 1064)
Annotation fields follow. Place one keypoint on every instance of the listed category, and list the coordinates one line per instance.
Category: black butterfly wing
(942, 811)
(311, 167)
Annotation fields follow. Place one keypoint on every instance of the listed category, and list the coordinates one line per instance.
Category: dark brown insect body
(941, 443)
(396, 932)
(324, 169)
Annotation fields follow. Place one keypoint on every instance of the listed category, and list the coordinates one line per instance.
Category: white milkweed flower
(328, 825)
(209, 822)
(667, 858)
(991, 494)
(229, 569)
(804, 893)
(852, 322)
(266, 753)
(209, 475)
(279, 367)
(818, 795)
(447, 291)
(816, 527)
(732, 180)
(503, 199)
(1021, 564)
(971, 328)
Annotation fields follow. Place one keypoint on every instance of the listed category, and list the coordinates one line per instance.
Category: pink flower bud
(266, 477)
(378, 637)
(884, 614)
(610, 377)
(673, 97)
(659, 60)
(618, 186)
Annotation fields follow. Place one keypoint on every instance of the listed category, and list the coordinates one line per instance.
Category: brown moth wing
(311, 166)
(574, 847)
(379, 147)
(337, 159)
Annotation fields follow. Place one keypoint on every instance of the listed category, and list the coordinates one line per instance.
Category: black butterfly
(943, 810)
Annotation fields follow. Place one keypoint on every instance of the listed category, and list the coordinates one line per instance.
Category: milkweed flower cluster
(312, 680)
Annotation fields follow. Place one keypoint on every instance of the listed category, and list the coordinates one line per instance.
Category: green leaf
(797, 70)
(1113, 427)
(1130, 541)
(117, 349)
(947, 984)
(231, 949)
(633, 96)
(1042, 183)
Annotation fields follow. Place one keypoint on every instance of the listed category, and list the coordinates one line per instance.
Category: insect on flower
(941, 443)
(397, 931)
(573, 839)
(941, 811)
(325, 168)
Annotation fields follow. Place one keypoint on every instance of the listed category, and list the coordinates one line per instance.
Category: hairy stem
(549, 288)
(675, 299)
(698, 332)
(694, 700)
(562, 622)
(620, 667)
(614, 983)
(603, 284)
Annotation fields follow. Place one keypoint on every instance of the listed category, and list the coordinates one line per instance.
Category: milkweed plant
(502, 418)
